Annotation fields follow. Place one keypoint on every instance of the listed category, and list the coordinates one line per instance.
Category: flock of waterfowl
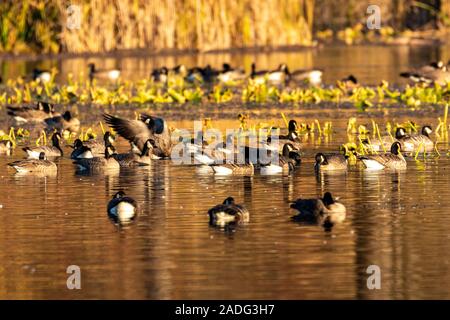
(151, 139)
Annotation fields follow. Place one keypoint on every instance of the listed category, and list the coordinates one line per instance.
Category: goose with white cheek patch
(6, 146)
(109, 74)
(287, 162)
(122, 208)
(330, 162)
(228, 212)
(418, 142)
(99, 163)
(39, 166)
(54, 150)
(393, 160)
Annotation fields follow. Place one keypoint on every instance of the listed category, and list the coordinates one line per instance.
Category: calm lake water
(396, 220)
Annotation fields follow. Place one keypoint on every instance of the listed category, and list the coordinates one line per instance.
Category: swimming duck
(41, 165)
(287, 162)
(42, 75)
(330, 162)
(63, 122)
(54, 150)
(431, 73)
(393, 160)
(139, 131)
(132, 159)
(37, 113)
(418, 142)
(277, 76)
(110, 74)
(326, 210)
(6, 146)
(228, 212)
(122, 208)
(98, 163)
(91, 148)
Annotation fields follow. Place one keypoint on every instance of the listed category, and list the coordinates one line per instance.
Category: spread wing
(134, 131)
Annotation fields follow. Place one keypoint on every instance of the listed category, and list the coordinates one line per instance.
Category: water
(396, 220)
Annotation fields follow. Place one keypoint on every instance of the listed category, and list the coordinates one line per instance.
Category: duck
(312, 76)
(37, 113)
(393, 160)
(41, 165)
(64, 122)
(91, 148)
(132, 159)
(277, 76)
(326, 211)
(228, 212)
(330, 162)
(229, 74)
(54, 150)
(98, 163)
(418, 142)
(160, 75)
(287, 162)
(435, 72)
(110, 74)
(6, 146)
(122, 208)
(139, 131)
(43, 76)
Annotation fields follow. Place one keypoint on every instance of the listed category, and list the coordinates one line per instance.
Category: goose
(93, 147)
(6, 146)
(160, 75)
(42, 75)
(229, 74)
(386, 141)
(122, 208)
(110, 74)
(54, 150)
(348, 84)
(63, 122)
(312, 76)
(326, 210)
(132, 159)
(139, 131)
(431, 73)
(418, 142)
(393, 160)
(25, 114)
(228, 212)
(287, 162)
(277, 76)
(330, 162)
(246, 169)
(98, 163)
(40, 165)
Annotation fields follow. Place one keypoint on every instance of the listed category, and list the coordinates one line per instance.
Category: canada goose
(63, 122)
(132, 159)
(277, 76)
(386, 141)
(313, 76)
(418, 142)
(287, 162)
(42, 75)
(50, 151)
(348, 84)
(431, 73)
(216, 152)
(38, 113)
(122, 208)
(291, 137)
(228, 212)
(180, 70)
(160, 75)
(330, 162)
(393, 160)
(98, 163)
(246, 169)
(6, 146)
(93, 147)
(229, 74)
(41, 165)
(139, 131)
(326, 211)
(109, 74)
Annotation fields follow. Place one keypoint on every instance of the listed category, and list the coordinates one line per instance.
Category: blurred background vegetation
(39, 26)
